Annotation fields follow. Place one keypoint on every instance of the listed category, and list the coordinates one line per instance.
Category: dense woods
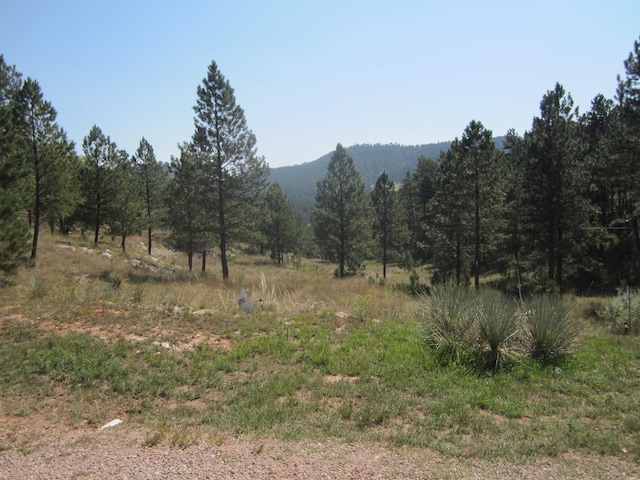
(554, 208)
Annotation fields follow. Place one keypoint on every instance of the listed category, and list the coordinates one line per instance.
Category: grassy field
(85, 339)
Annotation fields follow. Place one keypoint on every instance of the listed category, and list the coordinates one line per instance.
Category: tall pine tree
(236, 175)
(50, 158)
(279, 226)
(97, 180)
(154, 181)
(554, 206)
(389, 227)
(341, 218)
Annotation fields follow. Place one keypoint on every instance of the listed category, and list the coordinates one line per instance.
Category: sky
(310, 74)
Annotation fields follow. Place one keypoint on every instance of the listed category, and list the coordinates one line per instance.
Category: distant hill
(299, 182)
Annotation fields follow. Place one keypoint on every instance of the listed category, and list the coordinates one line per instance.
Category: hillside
(298, 182)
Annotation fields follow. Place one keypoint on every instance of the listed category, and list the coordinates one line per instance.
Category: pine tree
(485, 164)
(186, 212)
(554, 206)
(126, 212)
(50, 157)
(341, 218)
(14, 236)
(415, 194)
(451, 235)
(12, 163)
(97, 180)
(14, 230)
(389, 228)
(280, 227)
(234, 172)
(154, 181)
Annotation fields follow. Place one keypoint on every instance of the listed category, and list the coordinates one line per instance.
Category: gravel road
(120, 453)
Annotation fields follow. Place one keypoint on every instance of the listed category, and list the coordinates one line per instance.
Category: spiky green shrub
(496, 321)
(550, 329)
(447, 322)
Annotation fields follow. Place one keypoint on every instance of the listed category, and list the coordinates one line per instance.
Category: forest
(553, 209)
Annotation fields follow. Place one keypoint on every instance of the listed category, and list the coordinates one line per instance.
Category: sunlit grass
(171, 352)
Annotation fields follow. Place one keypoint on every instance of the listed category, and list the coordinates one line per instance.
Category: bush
(448, 322)
(482, 328)
(496, 320)
(414, 287)
(550, 330)
(623, 312)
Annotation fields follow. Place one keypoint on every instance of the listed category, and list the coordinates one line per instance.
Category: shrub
(37, 288)
(549, 328)
(414, 287)
(448, 322)
(623, 312)
(496, 320)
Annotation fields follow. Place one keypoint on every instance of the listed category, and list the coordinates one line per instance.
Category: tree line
(556, 206)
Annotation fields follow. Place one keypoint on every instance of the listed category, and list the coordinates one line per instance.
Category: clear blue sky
(311, 74)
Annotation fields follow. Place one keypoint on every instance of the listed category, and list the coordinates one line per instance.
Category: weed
(37, 288)
(362, 308)
(117, 279)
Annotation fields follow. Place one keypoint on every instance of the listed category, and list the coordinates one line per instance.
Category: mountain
(299, 182)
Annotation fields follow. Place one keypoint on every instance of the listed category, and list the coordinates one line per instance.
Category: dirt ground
(120, 452)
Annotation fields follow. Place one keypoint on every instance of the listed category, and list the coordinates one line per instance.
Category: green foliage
(622, 312)
(14, 236)
(186, 206)
(465, 327)
(125, 214)
(232, 174)
(389, 226)
(551, 331)
(341, 218)
(448, 323)
(78, 359)
(414, 287)
(362, 308)
(353, 385)
(154, 182)
(496, 319)
(282, 231)
(97, 179)
(52, 185)
(299, 182)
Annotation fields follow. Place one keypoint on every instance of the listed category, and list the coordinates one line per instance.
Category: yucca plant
(447, 321)
(550, 328)
(495, 316)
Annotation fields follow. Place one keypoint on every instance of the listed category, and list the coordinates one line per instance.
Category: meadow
(89, 336)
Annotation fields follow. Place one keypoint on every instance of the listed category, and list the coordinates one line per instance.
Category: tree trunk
(223, 257)
(458, 259)
(204, 260)
(36, 220)
(476, 262)
(124, 240)
(149, 232)
(190, 259)
(384, 255)
(559, 260)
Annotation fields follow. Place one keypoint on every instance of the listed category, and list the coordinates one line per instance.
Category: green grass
(297, 370)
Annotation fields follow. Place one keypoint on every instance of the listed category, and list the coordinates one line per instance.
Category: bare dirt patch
(121, 452)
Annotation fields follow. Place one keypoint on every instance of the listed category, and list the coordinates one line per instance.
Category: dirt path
(119, 453)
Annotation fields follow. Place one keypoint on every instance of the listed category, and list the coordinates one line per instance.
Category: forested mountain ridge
(299, 182)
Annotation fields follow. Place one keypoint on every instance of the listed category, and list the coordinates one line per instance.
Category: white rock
(112, 423)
